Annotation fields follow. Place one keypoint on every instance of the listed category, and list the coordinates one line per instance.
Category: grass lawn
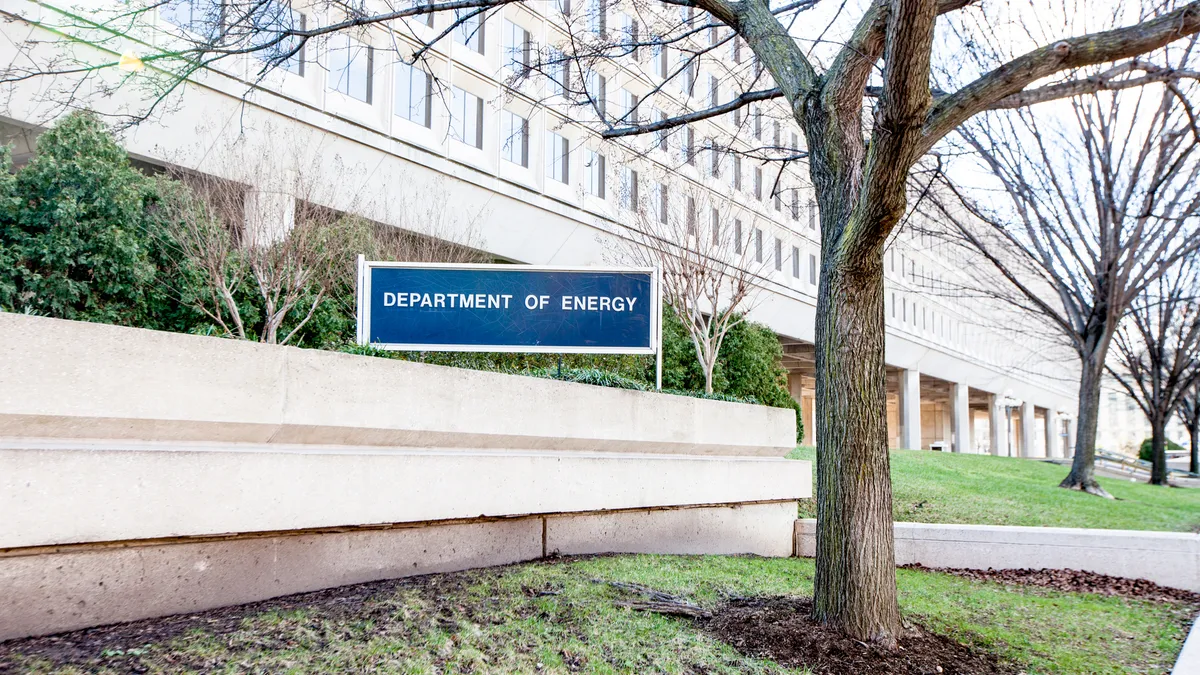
(939, 487)
(556, 618)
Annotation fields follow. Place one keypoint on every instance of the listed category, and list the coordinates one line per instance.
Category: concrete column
(1069, 452)
(270, 215)
(1053, 439)
(910, 409)
(1028, 437)
(998, 426)
(960, 417)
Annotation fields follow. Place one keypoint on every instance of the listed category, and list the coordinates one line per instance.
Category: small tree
(1158, 354)
(1189, 414)
(707, 261)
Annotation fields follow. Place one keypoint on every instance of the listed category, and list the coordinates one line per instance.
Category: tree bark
(1158, 450)
(1082, 475)
(856, 572)
(1194, 436)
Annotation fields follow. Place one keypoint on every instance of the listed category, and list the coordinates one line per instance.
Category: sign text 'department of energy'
(444, 307)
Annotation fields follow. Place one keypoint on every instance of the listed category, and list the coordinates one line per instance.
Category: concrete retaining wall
(82, 586)
(1167, 558)
(69, 379)
(146, 473)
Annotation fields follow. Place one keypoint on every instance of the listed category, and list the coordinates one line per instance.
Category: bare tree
(289, 272)
(708, 254)
(1158, 354)
(865, 128)
(1095, 210)
(1189, 414)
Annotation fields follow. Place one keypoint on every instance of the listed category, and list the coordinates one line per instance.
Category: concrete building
(448, 149)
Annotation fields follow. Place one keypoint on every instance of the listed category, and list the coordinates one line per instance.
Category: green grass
(555, 618)
(936, 487)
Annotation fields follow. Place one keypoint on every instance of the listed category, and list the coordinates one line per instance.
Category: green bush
(749, 366)
(80, 236)
(1146, 451)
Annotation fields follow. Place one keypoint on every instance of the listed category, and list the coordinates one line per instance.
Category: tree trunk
(1082, 476)
(1158, 450)
(856, 572)
(1194, 436)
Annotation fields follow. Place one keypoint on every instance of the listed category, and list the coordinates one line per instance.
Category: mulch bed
(1074, 581)
(779, 628)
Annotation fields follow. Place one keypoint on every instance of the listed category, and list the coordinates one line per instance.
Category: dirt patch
(120, 646)
(779, 628)
(1074, 581)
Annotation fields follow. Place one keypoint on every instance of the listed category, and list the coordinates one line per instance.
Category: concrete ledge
(128, 383)
(1166, 558)
(761, 529)
(1188, 662)
(51, 591)
(51, 494)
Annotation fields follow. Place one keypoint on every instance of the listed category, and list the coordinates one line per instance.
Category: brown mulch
(780, 629)
(1074, 581)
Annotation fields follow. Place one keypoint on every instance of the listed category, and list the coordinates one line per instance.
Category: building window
(515, 130)
(595, 168)
(201, 17)
(266, 23)
(564, 6)
(629, 188)
(795, 262)
(628, 113)
(778, 255)
(795, 204)
(715, 222)
(737, 50)
(629, 33)
(466, 118)
(559, 67)
(757, 113)
(691, 216)
(469, 32)
(714, 91)
(662, 60)
(558, 151)
(813, 213)
(737, 236)
(688, 148)
(598, 92)
(663, 204)
(778, 134)
(758, 183)
(812, 269)
(736, 178)
(598, 19)
(517, 47)
(414, 94)
(350, 67)
(778, 200)
(660, 116)
(758, 245)
(715, 155)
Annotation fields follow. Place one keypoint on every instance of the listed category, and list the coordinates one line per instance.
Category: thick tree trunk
(1194, 437)
(856, 571)
(1158, 450)
(1082, 476)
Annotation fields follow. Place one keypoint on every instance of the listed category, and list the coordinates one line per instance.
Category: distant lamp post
(130, 62)
(1008, 403)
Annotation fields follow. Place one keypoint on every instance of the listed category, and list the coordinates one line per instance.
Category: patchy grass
(937, 487)
(556, 618)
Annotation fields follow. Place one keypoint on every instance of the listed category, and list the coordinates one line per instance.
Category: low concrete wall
(1167, 558)
(146, 473)
(51, 493)
(82, 586)
(70, 379)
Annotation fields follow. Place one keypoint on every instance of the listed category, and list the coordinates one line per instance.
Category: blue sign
(433, 307)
